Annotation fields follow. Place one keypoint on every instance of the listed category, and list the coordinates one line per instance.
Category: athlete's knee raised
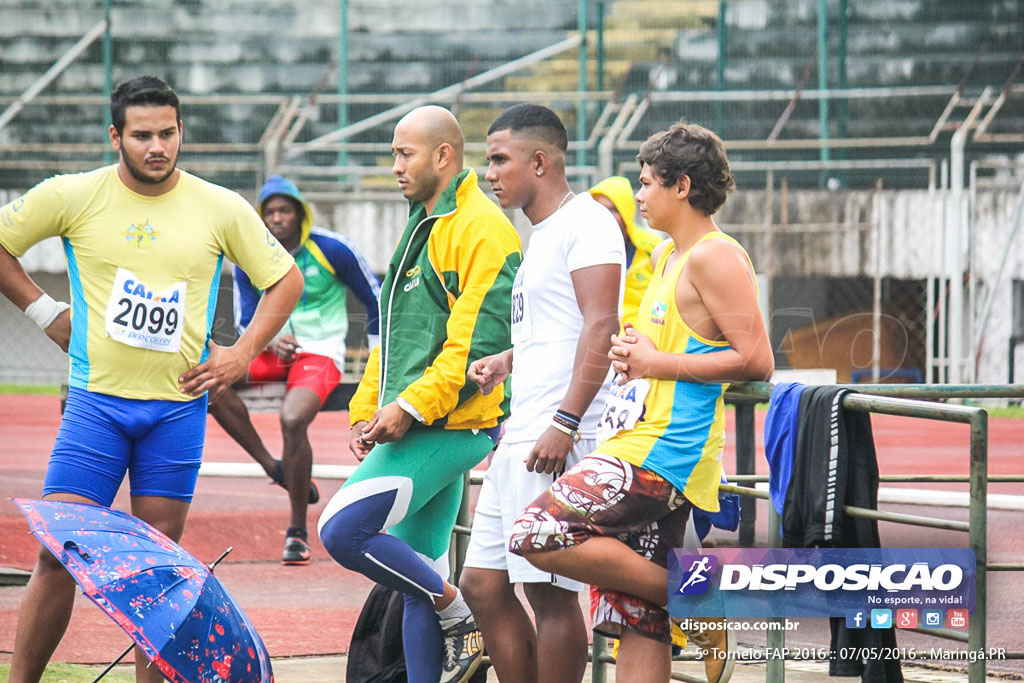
(345, 533)
(355, 516)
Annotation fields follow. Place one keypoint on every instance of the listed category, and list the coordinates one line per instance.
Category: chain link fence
(854, 276)
(244, 70)
(831, 302)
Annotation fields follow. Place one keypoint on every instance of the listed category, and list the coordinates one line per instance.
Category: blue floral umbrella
(165, 599)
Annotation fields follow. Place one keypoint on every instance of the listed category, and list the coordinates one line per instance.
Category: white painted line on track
(253, 470)
(908, 496)
(937, 498)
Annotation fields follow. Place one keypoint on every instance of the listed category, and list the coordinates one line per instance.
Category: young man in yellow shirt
(145, 243)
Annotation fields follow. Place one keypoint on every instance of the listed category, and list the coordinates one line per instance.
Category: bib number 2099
(139, 317)
(152, 319)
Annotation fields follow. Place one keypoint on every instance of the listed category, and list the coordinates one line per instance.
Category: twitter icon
(881, 618)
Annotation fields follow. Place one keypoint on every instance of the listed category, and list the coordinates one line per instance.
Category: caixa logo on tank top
(141, 234)
(138, 316)
(658, 312)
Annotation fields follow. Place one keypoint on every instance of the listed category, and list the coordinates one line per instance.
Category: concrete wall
(994, 215)
(828, 236)
(28, 356)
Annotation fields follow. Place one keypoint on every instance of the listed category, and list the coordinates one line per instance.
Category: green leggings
(426, 465)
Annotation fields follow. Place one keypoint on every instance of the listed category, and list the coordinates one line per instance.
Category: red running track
(311, 610)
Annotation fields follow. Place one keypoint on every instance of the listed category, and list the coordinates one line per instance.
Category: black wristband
(575, 419)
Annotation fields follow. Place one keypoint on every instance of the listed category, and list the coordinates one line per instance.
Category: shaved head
(427, 146)
(434, 126)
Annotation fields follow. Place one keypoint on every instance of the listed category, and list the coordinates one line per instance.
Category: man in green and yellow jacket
(417, 424)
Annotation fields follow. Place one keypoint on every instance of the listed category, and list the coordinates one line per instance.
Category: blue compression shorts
(158, 443)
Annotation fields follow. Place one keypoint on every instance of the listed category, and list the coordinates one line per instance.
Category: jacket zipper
(386, 338)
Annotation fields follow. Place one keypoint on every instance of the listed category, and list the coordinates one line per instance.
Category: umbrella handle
(71, 545)
(114, 663)
(222, 556)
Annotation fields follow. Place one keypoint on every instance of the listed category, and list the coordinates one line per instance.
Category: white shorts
(507, 490)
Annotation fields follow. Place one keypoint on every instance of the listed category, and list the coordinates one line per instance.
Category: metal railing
(900, 400)
(617, 121)
(916, 401)
(611, 134)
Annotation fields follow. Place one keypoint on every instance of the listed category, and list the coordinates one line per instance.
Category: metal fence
(313, 91)
(852, 281)
(886, 400)
(835, 91)
(911, 401)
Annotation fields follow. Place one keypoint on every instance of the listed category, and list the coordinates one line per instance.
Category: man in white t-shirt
(565, 307)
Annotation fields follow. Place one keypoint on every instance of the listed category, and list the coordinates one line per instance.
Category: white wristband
(574, 433)
(44, 310)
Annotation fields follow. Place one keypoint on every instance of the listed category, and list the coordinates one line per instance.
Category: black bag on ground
(376, 654)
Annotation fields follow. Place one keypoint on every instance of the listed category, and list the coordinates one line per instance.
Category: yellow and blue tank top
(681, 432)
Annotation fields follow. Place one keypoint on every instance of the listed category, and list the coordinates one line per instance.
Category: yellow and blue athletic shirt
(181, 236)
(681, 433)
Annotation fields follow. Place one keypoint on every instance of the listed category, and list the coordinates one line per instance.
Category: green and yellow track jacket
(445, 302)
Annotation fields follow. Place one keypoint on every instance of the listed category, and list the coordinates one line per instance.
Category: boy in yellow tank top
(698, 328)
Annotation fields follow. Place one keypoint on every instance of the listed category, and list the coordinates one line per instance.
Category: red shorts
(316, 373)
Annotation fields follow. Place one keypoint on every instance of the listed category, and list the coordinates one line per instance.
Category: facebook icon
(856, 618)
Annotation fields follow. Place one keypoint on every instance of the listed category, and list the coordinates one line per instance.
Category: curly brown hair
(694, 151)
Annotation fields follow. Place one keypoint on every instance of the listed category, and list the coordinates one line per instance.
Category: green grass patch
(58, 672)
(1006, 411)
(29, 388)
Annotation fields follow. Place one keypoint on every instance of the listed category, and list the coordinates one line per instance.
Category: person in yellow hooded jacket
(616, 194)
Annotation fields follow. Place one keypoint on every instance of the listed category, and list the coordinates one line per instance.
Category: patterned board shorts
(605, 496)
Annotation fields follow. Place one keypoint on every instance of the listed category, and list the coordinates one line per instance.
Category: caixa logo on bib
(817, 582)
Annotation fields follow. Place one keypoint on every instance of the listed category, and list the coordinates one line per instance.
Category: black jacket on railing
(834, 465)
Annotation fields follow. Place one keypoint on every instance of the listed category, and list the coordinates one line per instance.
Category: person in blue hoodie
(309, 353)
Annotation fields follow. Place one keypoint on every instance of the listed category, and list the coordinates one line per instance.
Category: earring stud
(540, 173)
